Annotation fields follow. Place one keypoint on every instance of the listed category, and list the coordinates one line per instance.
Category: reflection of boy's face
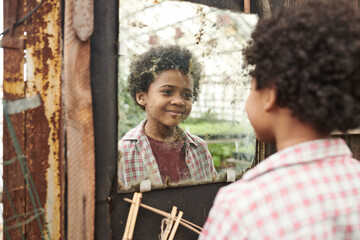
(168, 100)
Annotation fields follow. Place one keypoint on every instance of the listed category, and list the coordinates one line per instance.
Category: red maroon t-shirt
(170, 157)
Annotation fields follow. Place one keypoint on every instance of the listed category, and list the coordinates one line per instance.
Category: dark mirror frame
(110, 209)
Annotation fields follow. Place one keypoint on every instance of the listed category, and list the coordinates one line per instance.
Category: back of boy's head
(145, 68)
(311, 55)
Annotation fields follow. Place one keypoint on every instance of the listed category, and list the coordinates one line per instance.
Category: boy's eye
(167, 92)
(188, 95)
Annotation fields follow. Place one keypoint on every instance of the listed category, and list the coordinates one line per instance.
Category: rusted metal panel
(79, 132)
(44, 131)
(38, 130)
(42, 125)
(13, 89)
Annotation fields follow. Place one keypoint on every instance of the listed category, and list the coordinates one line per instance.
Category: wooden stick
(176, 225)
(169, 226)
(166, 214)
(183, 222)
(163, 213)
(128, 221)
(134, 217)
(246, 6)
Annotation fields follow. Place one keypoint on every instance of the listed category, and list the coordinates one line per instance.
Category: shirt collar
(135, 133)
(138, 132)
(189, 139)
(301, 153)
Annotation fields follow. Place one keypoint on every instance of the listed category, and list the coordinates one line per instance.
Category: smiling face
(168, 100)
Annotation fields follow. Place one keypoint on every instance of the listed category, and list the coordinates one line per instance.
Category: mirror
(216, 37)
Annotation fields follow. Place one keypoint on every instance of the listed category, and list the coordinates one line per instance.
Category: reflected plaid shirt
(137, 162)
(308, 191)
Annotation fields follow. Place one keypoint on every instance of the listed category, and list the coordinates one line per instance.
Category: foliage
(130, 114)
(220, 152)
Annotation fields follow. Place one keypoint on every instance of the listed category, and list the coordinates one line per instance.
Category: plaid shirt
(137, 162)
(307, 191)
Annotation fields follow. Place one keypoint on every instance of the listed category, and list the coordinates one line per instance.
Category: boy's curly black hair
(145, 68)
(311, 55)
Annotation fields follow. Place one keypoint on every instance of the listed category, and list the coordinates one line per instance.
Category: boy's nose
(177, 100)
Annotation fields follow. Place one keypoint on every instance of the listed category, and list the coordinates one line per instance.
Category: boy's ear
(140, 98)
(270, 99)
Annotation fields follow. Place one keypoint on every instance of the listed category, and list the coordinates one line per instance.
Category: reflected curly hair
(311, 55)
(145, 68)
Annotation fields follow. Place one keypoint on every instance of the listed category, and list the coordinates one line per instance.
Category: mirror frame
(104, 74)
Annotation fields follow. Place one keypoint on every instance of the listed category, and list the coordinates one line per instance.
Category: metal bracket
(8, 41)
(11, 42)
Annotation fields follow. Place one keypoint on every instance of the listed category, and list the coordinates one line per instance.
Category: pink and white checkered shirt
(137, 162)
(307, 191)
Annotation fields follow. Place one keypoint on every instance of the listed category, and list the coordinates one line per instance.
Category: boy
(164, 82)
(306, 84)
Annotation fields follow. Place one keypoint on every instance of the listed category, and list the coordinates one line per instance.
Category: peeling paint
(13, 87)
(43, 58)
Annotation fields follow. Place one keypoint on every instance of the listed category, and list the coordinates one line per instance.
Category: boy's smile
(167, 102)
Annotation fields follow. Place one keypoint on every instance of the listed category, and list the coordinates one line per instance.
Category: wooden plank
(13, 87)
(44, 126)
(79, 132)
(350, 132)
(246, 6)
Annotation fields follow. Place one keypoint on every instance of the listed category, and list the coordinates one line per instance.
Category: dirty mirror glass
(217, 124)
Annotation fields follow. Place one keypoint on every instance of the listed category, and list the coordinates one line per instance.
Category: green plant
(130, 114)
(220, 152)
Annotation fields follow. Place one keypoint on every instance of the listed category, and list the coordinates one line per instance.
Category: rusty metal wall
(39, 130)
(14, 88)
